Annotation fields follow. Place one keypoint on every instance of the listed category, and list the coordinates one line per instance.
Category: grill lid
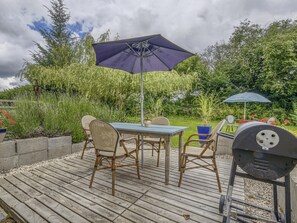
(265, 138)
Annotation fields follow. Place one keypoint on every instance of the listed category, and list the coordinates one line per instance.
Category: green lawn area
(192, 123)
(189, 122)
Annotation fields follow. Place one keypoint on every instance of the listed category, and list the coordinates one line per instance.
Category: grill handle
(226, 135)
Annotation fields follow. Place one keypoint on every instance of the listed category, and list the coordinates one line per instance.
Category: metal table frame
(165, 132)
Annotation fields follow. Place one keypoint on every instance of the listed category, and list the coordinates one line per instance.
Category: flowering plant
(6, 119)
(286, 122)
(253, 116)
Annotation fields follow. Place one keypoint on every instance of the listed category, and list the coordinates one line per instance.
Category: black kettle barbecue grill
(265, 153)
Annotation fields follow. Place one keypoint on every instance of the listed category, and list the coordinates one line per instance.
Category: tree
(59, 44)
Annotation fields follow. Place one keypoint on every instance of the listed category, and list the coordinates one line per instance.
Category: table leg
(142, 152)
(180, 145)
(167, 159)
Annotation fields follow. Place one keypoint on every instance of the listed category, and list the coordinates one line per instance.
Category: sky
(191, 24)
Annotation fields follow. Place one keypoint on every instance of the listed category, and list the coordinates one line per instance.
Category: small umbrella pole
(244, 111)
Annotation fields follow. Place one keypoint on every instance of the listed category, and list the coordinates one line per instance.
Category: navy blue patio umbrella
(140, 55)
(247, 97)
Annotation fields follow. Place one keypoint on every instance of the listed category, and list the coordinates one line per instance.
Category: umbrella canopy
(247, 97)
(138, 55)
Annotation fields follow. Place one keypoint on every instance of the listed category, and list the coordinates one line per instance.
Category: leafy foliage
(258, 59)
(54, 115)
(58, 50)
(207, 105)
(113, 87)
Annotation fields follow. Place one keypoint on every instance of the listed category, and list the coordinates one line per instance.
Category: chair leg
(182, 169)
(158, 150)
(217, 174)
(113, 176)
(158, 160)
(82, 154)
(94, 170)
(152, 149)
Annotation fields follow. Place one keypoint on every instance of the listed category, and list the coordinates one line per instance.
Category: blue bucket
(201, 129)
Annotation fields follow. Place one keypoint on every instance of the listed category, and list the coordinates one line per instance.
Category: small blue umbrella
(139, 55)
(247, 97)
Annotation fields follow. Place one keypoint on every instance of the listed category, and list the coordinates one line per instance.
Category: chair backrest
(86, 120)
(214, 135)
(230, 119)
(105, 137)
(160, 121)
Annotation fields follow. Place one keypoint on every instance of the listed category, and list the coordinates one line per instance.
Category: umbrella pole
(244, 111)
(141, 91)
(141, 106)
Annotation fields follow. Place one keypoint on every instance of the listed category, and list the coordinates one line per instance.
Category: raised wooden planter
(20, 152)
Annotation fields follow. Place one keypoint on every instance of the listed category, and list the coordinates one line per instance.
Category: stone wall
(28, 151)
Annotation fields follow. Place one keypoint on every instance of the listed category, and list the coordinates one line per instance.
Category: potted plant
(147, 120)
(5, 121)
(207, 104)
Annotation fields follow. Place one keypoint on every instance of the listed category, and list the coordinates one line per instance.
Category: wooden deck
(59, 192)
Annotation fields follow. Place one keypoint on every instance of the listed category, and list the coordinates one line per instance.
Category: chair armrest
(198, 140)
(122, 140)
(128, 139)
(196, 134)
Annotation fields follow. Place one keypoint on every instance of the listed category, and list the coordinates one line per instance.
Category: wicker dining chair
(201, 155)
(157, 142)
(110, 147)
(85, 122)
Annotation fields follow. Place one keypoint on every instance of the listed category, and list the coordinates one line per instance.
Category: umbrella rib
(161, 60)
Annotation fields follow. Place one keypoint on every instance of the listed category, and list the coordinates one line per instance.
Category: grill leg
(275, 202)
(226, 218)
(288, 198)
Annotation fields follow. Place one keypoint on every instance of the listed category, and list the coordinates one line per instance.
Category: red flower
(272, 122)
(263, 120)
(6, 119)
(286, 122)
(7, 115)
(12, 122)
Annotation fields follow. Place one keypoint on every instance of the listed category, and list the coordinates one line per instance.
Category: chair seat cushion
(120, 151)
(196, 151)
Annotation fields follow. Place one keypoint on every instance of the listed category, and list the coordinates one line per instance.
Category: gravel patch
(260, 194)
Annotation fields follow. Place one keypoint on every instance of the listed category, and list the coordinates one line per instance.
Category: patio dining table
(165, 132)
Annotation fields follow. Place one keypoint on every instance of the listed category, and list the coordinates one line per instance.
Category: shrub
(206, 107)
(54, 115)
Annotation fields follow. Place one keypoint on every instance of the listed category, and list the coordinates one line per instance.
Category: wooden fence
(7, 104)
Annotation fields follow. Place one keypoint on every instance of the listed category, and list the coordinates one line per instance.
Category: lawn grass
(189, 122)
(192, 123)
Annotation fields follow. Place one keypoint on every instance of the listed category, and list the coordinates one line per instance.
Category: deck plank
(59, 192)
